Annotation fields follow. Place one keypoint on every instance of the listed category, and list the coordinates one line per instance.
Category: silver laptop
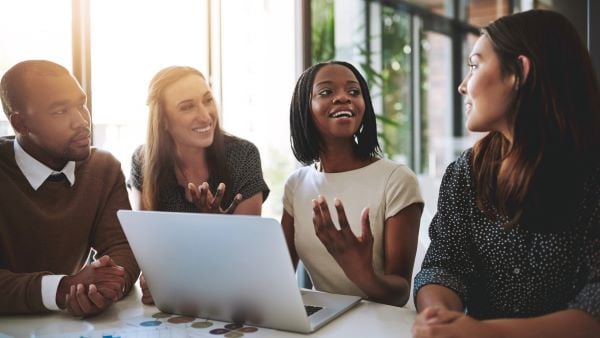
(225, 267)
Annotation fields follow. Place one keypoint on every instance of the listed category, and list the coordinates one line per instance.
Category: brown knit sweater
(51, 230)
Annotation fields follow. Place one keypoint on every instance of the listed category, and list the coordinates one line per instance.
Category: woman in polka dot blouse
(515, 248)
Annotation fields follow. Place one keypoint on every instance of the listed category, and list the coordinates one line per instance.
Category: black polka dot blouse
(512, 273)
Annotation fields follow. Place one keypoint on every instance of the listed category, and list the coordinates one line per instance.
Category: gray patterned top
(512, 273)
(245, 174)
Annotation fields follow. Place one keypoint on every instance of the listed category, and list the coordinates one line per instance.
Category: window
(130, 42)
(258, 78)
(43, 33)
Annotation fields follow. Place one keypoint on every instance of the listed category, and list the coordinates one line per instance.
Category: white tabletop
(123, 318)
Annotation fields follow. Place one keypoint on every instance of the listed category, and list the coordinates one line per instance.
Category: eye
(208, 100)
(472, 66)
(325, 92)
(60, 111)
(186, 107)
(354, 92)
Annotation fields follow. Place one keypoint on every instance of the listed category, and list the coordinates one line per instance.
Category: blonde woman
(188, 163)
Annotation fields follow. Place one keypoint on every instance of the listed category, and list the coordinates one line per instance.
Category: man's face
(55, 122)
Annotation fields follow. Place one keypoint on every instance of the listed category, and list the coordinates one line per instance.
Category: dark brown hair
(554, 120)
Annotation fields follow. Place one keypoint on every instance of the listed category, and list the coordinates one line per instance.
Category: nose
(203, 113)
(341, 98)
(462, 87)
(81, 117)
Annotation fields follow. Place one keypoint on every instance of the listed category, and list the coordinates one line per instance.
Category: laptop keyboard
(311, 309)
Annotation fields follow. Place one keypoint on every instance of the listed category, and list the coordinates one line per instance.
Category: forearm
(386, 289)
(567, 323)
(21, 293)
(437, 295)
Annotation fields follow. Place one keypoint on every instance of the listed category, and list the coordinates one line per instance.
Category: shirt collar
(37, 172)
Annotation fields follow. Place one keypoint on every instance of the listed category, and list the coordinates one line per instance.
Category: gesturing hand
(205, 202)
(353, 254)
(92, 289)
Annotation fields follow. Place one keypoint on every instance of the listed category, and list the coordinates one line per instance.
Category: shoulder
(300, 175)
(101, 160)
(394, 168)
(6, 141)
(458, 175)
(461, 167)
(236, 147)
(6, 146)
(138, 155)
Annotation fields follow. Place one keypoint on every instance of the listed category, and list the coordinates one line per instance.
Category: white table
(365, 320)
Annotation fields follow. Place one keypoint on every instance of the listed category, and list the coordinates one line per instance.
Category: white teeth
(202, 130)
(342, 114)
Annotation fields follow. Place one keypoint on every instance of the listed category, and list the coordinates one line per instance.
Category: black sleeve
(246, 171)
(448, 261)
(136, 178)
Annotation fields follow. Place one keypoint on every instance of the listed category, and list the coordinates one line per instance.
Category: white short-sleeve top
(383, 186)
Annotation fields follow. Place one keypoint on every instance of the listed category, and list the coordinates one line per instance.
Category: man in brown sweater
(58, 199)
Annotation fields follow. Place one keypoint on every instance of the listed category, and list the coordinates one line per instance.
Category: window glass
(131, 41)
(43, 33)
(258, 77)
(482, 12)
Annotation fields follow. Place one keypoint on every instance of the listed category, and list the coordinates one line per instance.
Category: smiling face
(54, 126)
(487, 91)
(190, 112)
(337, 102)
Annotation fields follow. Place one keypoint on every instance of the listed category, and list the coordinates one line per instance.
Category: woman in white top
(333, 132)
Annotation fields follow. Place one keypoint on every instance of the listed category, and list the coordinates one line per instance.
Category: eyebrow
(184, 101)
(330, 82)
(63, 103)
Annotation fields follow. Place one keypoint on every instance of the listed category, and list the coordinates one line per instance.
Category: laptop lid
(225, 267)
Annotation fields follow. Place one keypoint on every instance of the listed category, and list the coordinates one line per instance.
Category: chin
(205, 143)
(79, 155)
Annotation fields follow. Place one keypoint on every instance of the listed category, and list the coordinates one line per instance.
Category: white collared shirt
(36, 173)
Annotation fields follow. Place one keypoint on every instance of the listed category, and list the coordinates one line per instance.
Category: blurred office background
(412, 53)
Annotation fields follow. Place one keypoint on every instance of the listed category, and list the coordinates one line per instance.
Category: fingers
(344, 225)
(323, 209)
(200, 196)
(97, 298)
(102, 261)
(216, 203)
(111, 290)
(78, 303)
(146, 295)
(194, 193)
(71, 303)
(444, 316)
(109, 293)
(143, 282)
(318, 222)
(236, 201)
(367, 235)
(84, 302)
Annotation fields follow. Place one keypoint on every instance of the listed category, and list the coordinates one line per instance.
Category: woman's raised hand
(207, 203)
(353, 254)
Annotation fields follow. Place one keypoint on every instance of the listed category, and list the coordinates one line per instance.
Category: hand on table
(93, 289)
(436, 322)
